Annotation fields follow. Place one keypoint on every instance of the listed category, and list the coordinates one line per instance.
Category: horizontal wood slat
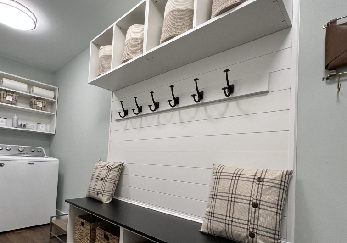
(263, 122)
(262, 103)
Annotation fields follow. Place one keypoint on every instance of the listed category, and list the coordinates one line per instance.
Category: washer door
(28, 193)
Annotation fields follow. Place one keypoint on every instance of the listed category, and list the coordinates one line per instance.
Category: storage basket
(105, 59)
(222, 6)
(41, 105)
(178, 18)
(3, 96)
(32, 103)
(11, 98)
(107, 234)
(133, 45)
(85, 228)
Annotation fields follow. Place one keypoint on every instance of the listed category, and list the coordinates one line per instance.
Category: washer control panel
(15, 150)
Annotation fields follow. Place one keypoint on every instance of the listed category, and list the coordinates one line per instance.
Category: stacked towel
(42, 92)
(15, 85)
(105, 59)
(133, 46)
(178, 18)
(222, 6)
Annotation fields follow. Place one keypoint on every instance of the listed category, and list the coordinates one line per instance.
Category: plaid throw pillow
(104, 180)
(246, 205)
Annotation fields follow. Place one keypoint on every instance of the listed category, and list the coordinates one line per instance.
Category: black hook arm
(229, 90)
(139, 108)
(126, 112)
(155, 104)
(200, 94)
(176, 100)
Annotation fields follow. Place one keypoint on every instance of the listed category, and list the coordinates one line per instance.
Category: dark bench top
(149, 223)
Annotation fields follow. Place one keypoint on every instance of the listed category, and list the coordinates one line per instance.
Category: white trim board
(255, 85)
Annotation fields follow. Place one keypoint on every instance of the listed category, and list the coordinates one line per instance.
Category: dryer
(28, 187)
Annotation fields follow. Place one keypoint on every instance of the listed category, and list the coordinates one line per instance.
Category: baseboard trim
(58, 212)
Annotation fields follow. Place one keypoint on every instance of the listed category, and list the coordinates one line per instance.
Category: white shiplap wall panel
(170, 187)
(278, 80)
(274, 101)
(277, 160)
(178, 204)
(267, 141)
(169, 156)
(255, 85)
(263, 122)
(201, 175)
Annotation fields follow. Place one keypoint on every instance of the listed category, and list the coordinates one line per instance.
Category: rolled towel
(15, 85)
(42, 92)
(105, 59)
(222, 6)
(178, 18)
(133, 45)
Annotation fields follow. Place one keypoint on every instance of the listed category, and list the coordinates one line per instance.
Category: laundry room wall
(82, 129)
(322, 134)
(29, 72)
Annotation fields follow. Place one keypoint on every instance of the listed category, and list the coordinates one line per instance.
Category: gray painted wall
(25, 71)
(82, 129)
(322, 133)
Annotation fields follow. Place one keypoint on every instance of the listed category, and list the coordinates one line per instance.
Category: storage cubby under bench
(140, 222)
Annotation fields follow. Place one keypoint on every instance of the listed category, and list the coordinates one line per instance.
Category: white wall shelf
(24, 94)
(25, 114)
(19, 108)
(26, 130)
(247, 22)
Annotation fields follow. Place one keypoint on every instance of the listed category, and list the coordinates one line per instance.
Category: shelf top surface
(28, 81)
(148, 223)
(26, 130)
(249, 21)
(25, 94)
(25, 109)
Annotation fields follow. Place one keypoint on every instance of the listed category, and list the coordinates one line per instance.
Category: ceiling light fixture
(16, 15)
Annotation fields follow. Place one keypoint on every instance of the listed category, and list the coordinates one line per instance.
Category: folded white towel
(42, 92)
(178, 4)
(135, 31)
(105, 50)
(15, 85)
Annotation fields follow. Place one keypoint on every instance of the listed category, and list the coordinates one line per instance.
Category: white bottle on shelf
(15, 121)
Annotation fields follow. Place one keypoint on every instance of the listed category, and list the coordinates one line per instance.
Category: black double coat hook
(200, 94)
(229, 90)
(125, 112)
(139, 108)
(155, 104)
(176, 100)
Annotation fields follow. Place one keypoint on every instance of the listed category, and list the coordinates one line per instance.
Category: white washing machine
(28, 187)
